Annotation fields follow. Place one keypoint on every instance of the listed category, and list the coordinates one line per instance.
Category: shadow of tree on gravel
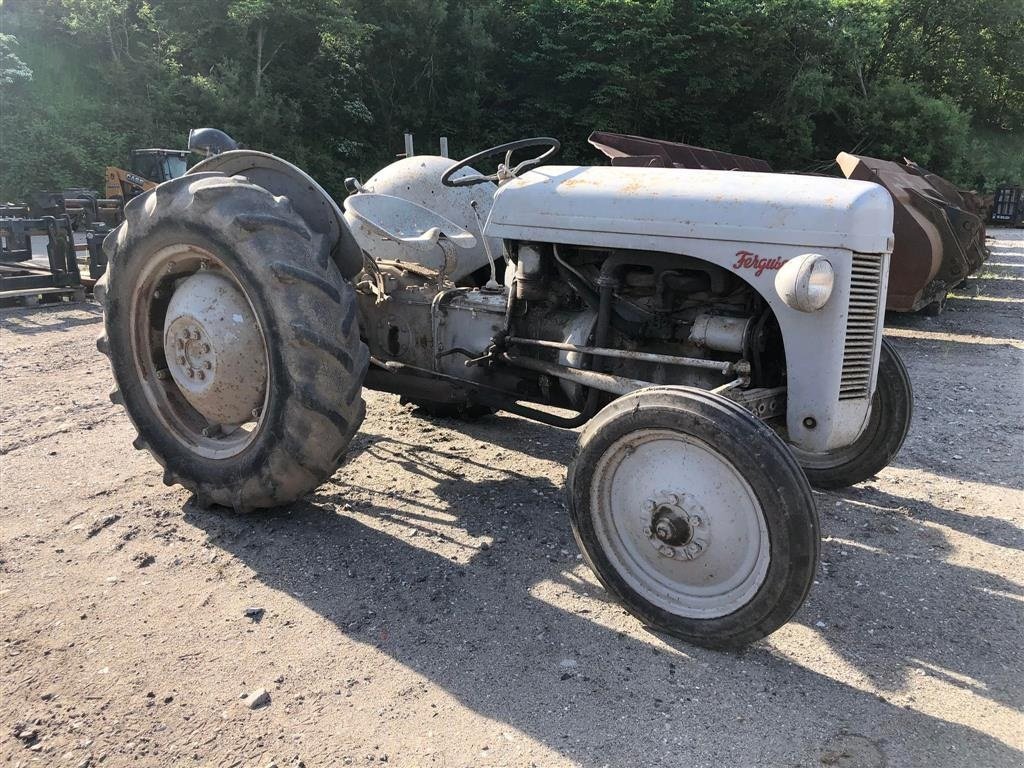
(988, 528)
(479, 630)
(28, 321)
(947, 619)
(967, 416)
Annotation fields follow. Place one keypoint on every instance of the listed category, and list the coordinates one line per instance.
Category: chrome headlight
(805, 282)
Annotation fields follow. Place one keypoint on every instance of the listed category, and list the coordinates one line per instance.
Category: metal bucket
(938, 242)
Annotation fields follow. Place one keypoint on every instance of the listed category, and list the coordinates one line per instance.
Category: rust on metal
(938, 240)
(622, 149)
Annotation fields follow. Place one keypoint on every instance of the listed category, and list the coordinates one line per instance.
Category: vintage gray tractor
(717, 335)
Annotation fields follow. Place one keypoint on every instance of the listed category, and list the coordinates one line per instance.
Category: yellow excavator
(149, 167)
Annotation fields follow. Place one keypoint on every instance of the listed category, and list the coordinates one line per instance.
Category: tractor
(716, 337)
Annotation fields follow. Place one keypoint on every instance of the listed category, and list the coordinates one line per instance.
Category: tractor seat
(405, 222)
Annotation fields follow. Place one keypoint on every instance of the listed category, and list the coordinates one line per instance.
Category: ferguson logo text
(748, 260)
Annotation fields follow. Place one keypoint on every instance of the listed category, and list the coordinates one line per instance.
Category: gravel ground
(428, 606)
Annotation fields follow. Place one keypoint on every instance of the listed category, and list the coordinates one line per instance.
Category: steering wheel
(504, 171)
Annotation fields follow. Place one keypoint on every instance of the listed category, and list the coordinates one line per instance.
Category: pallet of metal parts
(13, 210)
(1008, 206)
(46, 203)
(24, 280)
(86, 208)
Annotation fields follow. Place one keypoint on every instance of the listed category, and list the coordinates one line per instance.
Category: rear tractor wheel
(233, 341)
(694, 514)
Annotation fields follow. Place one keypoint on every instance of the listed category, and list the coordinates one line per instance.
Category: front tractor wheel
(694, 514)
(233, 340)
(888, 423)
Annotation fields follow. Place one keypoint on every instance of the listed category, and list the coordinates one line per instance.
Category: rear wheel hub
(214, 349)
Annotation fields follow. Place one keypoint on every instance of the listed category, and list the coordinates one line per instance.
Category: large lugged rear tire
(213, 277)
(694, 514)
(892, 408)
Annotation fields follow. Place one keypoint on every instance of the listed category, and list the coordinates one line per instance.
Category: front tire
(694, 514)
(233, 340)
(892, 408)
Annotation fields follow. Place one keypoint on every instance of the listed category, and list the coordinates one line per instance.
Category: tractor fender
(308, 199)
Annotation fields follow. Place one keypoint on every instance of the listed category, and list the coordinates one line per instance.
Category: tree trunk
(260, 36)
(110, 39)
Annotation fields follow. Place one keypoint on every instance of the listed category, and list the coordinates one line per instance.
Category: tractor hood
(576, 204)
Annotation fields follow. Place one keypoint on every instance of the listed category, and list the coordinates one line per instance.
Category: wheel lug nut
(257, 412)
(181, 359)
(207, 365)
(206, 349)
(191, 373)
(201, 375)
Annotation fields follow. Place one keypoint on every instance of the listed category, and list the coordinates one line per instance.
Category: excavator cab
(159, 165)
(149, 167)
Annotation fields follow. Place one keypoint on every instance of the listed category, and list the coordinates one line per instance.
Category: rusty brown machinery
(938, 241)
(655, 153)
(939, 233)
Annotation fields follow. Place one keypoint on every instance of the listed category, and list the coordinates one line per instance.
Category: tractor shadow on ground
(511, 433)
(890, 525)
(495, 628)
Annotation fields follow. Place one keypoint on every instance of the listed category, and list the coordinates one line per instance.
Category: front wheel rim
(679, 524)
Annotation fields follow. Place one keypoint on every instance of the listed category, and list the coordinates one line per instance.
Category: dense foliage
(332, 84)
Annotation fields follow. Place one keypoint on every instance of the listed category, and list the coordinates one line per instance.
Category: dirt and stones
(428, 606)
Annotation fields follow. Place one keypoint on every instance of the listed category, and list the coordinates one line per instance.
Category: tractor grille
(861, 326)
